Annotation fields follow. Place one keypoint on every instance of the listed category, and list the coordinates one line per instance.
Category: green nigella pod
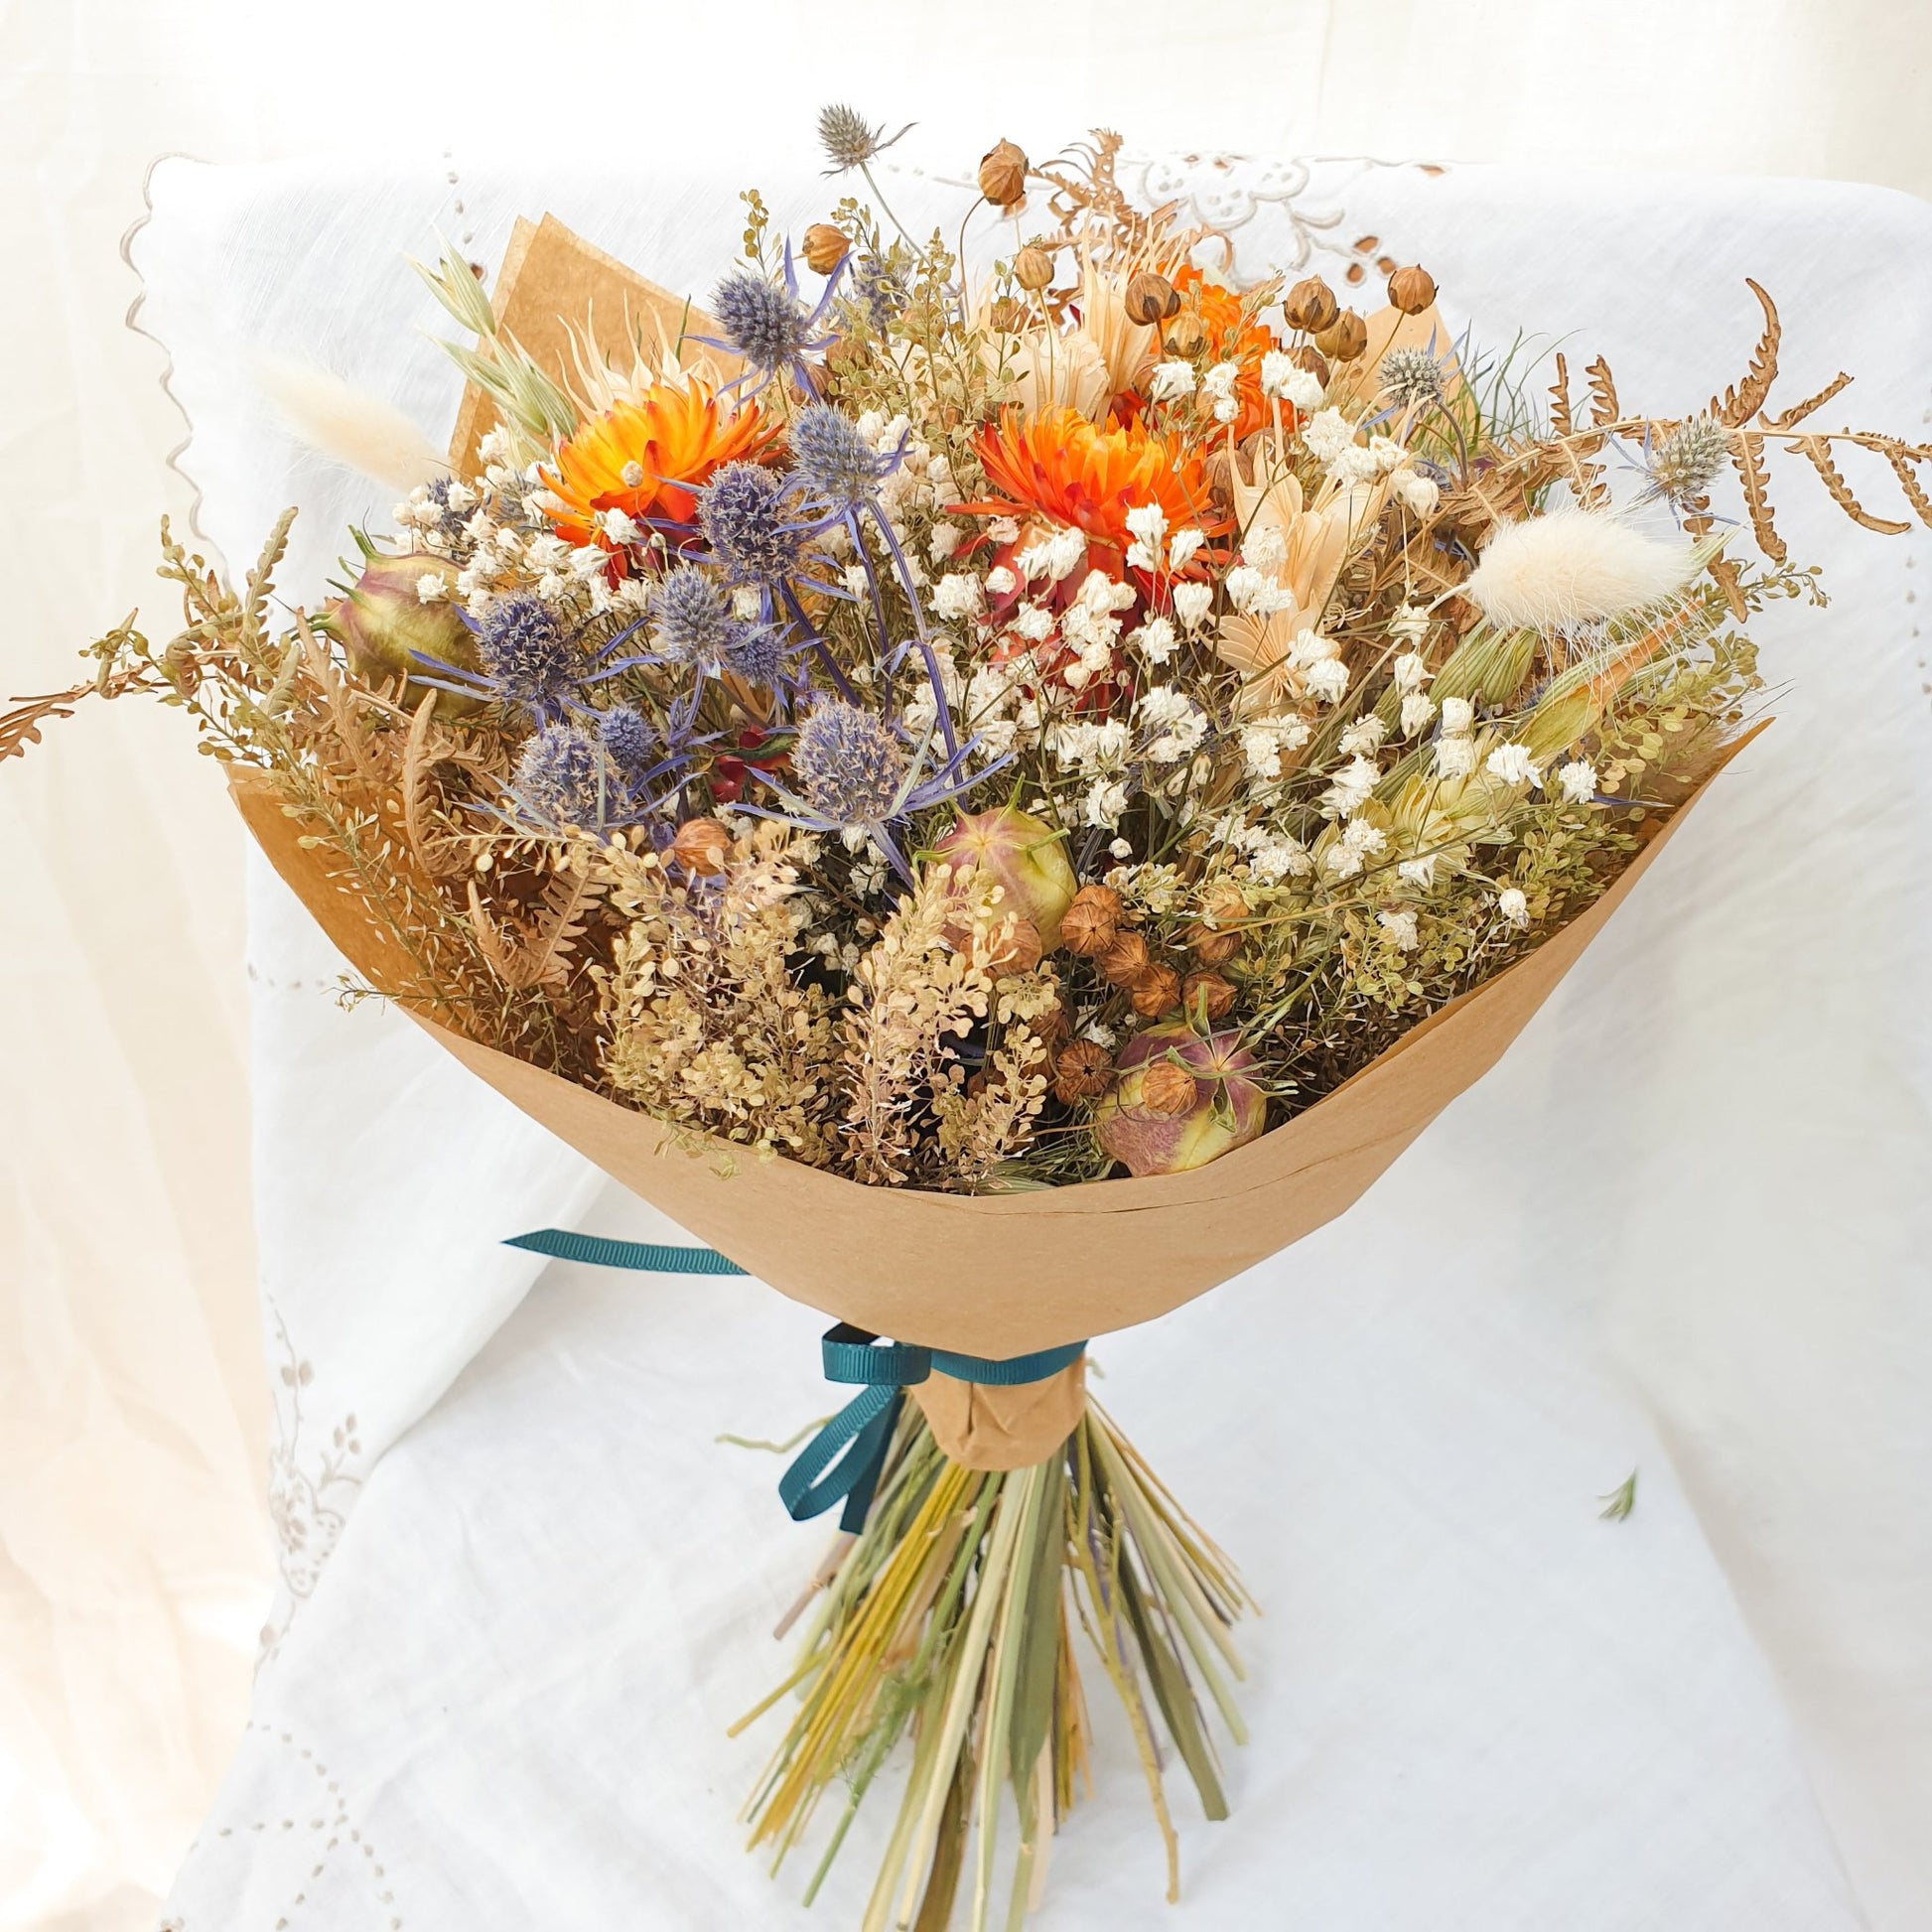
(382, 624)
(1028, 858)
(1229, 1108)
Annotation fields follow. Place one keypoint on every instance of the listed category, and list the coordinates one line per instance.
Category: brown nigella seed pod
(1151, 298)
(1167, 1090)
(1186, 336)
(1122, 960)
(1205, 996)
(826, 247)
(1344, 338)
(1309, 306)
(1215, 943)
(1033, 268)
(1309, 358)
(1002, 175)
(1016, 946)
(1411, 290)
(1089, 925)
(702, 845)
(1010, 317)
(1156, 991)
(1083, 1070)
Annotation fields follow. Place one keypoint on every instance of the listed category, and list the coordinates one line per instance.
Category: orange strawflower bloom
(1060, 467)
(650, 456)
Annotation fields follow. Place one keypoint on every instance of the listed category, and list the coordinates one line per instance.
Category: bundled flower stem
(950, 1616)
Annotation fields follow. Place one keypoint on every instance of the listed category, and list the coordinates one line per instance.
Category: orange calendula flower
(650, 456)
(1060, 467)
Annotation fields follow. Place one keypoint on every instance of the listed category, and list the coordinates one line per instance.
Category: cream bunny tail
(349, 424)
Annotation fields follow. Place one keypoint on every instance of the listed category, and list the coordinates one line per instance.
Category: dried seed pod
(1309, 306)
(1083, 1071)
(1002, 175)
(1151, 298)
(1206, 995)
(1167, 1090)
(702, 845)
(1010, 317)
(1344, 338)
(1089, 925)
(1307, 357)
(826, 247)
(1156, 991)
(1015, 946)
(1215, 939)
(1124, 959)
(1032, 267)
(1411, 290)
(1185, 336)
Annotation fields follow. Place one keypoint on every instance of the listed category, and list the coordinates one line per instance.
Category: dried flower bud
(702, 845)
(1167, 1090)
(1089, 925)
(1083, 1070)
(1151, 298)
(1032, 267)
(1156, 991)
(1344, 338)
(1124, 960)
(1411, 290)
(1002, 175)
(1186, 336)
(1010, 318)
(1015, 946)
(1309, 306)
(1205, 996)
(826, 247)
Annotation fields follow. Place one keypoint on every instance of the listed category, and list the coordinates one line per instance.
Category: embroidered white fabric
(1681, 1229)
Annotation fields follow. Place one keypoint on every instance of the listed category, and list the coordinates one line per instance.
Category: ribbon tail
(842, 1461)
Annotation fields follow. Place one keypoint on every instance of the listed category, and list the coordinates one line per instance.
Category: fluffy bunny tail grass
(349, 424)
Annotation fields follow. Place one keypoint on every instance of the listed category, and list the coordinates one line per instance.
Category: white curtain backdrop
(135, 1565)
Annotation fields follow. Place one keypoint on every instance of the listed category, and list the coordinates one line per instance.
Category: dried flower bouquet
(930, 731)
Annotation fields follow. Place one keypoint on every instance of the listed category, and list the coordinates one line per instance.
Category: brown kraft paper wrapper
(987, 1428)
(997, 1274)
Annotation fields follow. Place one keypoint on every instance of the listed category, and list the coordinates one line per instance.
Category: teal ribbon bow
(841, 1462)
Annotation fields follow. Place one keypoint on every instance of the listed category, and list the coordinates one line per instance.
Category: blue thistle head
(753, 652)
(745, 517)
(767, 324)
(557, 776)
(831, 460)
(525, 655)
(629, 743)
(851, 764)
(690, 617)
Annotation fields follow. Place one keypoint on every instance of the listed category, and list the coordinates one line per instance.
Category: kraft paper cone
(1000, 1275)
(985, 1428)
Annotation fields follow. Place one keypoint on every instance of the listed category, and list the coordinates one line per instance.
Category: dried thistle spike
(1689, 459)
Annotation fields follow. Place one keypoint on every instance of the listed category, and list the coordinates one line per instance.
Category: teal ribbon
(842, 1461)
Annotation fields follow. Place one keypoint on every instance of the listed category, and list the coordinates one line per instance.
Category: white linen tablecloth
(1682, 1228)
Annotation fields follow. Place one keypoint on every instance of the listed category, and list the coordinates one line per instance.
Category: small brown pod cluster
(1151, 298)
(1206, 995)
(826, 247)
(1015, 946)
(1185, 334)
(1002, 175)
(1083, 1069)
(1411, 290)
(1344, 338)
(1310, 306)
